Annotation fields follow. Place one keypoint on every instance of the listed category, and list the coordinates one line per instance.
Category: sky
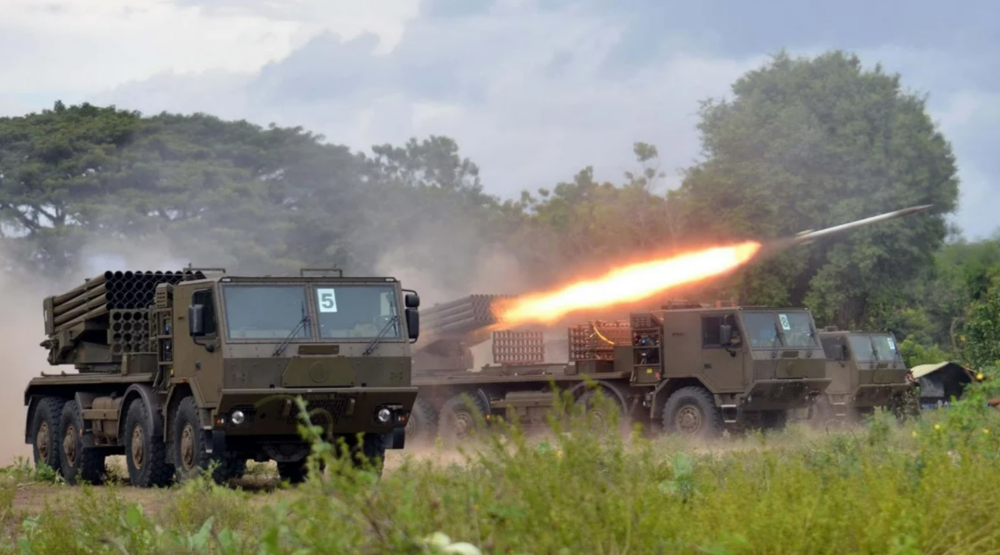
(532, 90)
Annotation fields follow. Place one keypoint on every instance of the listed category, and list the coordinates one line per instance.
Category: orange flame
(629, 284)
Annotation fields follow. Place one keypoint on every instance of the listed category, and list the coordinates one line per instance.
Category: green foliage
(911, 489)
(981, 332)
(915, 354)
(807, 143)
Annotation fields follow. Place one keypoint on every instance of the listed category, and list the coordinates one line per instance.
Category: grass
(929, 486)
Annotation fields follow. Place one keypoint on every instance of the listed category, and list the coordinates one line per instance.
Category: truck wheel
(599, 412)
(691, 411)
(236, 468)
(293, 472)
(823, 416)
(45, 444)
(457, 420)
(775, 420)
(373, 448)
(191, 456)
(423, 423)
(77, 461)
(145, 455)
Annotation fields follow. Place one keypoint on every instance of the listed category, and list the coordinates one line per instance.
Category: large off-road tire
(45, 433)
(236, 467)
(906, 405)
(598, 412)
(293, 472)
(774, 420)
(76, 461)
(822, 416)
(145, 454)
(423, 424)
(691, 411)
(190, 442)
(371, 453)
(458, 421)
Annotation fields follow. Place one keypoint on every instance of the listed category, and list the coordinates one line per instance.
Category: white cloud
(88, 45)
(967, 118)
(526, 94)
(529, 94)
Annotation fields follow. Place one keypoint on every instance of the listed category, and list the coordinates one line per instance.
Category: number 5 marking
(327, 300)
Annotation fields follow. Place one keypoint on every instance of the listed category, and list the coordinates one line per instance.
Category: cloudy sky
(533, 90)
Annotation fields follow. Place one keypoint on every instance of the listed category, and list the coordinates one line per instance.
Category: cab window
(206, 299)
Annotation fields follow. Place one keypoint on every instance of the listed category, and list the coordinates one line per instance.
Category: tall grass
(930, 486)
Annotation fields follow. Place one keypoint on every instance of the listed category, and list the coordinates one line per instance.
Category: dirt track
(32, 499)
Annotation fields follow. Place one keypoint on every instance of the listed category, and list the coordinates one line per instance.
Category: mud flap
(396, 439)
(217, 447)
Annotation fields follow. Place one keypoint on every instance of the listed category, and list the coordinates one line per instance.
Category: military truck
(867, 372)
(180, 370)
(687, 368)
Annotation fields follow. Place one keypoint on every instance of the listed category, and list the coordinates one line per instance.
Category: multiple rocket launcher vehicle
(686, 368)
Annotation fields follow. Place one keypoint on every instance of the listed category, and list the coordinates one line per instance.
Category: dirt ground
(262, 478)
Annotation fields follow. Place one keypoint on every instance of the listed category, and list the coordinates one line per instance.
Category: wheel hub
(187, 447)
(138, 447)
(42, 441)
(688, 419)
(69, 445)
(462, 424)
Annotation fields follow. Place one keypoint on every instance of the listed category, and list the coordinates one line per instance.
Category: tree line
(800, 143)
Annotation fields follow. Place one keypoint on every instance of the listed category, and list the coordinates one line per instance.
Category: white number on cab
(327, 299)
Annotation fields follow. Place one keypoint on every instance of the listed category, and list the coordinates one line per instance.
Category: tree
(810, 143)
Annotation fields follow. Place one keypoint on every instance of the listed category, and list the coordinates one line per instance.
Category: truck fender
(485, 398)
(606, 386)
(32, 403)
(153, 402)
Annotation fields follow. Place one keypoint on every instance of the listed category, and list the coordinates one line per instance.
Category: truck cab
(730, 365)
(866, 370)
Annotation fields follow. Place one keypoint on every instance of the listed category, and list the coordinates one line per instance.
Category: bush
(883, 488)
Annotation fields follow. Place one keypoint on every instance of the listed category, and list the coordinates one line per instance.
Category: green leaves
(810, 143)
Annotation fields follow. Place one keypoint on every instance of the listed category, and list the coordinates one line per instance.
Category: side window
(205, 298)
(710, 331)
(833, 348)
(711, 335)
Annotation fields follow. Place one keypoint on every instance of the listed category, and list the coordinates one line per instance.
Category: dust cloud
(21, 331)
(22, 328)
(448, 261)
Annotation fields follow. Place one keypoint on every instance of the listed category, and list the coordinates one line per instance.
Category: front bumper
(784, 394)
(877, 395)
(338, 411)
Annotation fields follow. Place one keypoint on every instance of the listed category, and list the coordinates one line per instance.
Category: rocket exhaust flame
(629, 284)
(639, 281)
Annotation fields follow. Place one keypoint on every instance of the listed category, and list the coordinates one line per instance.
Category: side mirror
(413, 323)
(412, 300)
(726, 335)
(196, 320)
(843, 352)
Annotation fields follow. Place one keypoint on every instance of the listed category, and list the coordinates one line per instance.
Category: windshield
(861, 347)
(266, 311)
(874, 347)
(356, 311)
(761, 329)
(796, 329)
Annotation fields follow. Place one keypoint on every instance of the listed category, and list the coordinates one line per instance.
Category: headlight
(384, 415)
(237, 417)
